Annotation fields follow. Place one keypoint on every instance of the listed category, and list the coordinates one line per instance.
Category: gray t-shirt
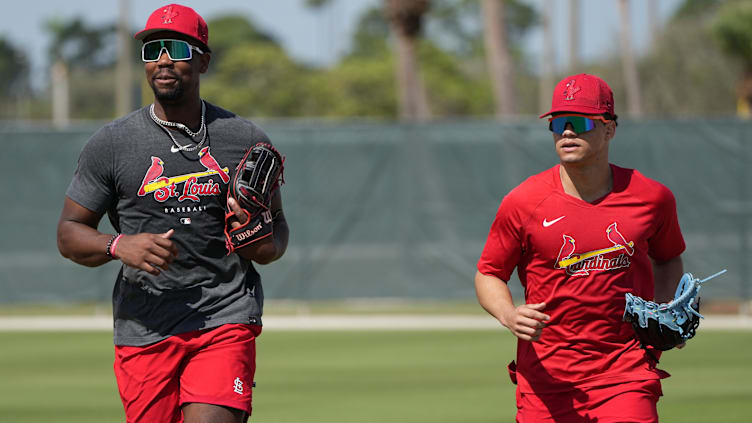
(130, 170)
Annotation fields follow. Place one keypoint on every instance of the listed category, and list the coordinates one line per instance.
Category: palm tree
(73, 44)
(406, 18)
(631, 79)
(123, 72)
(654, 20)
(498, 60)
(14, 80)
(60, 93)
(574, 36)
(546, 83)
(734, 34)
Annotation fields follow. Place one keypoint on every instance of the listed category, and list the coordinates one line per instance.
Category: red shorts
(211, 366)
(620, 403)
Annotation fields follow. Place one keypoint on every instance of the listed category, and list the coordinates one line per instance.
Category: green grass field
(380, 376)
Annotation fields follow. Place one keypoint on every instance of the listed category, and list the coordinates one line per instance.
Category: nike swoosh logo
(547, 223)
(174, 149)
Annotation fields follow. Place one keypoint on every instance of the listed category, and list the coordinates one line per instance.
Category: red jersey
(581, 258)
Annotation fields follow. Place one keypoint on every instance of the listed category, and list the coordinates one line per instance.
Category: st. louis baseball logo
(584, 263)
(165, 187)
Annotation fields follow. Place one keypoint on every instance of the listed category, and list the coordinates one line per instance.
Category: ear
(204, 62)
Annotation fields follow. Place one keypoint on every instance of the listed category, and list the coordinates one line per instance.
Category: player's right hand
(149, 252)
(527, 321)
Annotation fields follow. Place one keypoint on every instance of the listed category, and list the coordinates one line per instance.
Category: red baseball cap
(582, 93)
(177, 18)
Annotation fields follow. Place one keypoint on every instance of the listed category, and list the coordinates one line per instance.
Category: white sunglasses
(177, 50)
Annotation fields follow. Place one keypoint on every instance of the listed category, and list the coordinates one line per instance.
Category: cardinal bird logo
(168, 15)
(566, 251)
(154, 172)
(618, 239)
(210, 163)
(571, 90)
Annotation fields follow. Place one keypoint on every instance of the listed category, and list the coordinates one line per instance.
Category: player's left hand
(248, 218)
(256, 251)
(240, 217)
(667, 325)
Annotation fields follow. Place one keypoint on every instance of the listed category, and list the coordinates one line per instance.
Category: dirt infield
(329, 322)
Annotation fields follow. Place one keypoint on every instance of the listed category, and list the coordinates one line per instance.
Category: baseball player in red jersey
(581, 235)
(186, 312)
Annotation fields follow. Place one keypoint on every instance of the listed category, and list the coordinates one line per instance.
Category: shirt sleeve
(93, 181)
(667, 241)
(503, 248)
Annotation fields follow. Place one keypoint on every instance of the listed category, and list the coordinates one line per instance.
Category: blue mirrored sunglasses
(580, 123)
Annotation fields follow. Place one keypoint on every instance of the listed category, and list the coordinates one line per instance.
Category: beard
(169, 95)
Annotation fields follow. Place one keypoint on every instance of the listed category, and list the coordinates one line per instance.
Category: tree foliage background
(700, 64)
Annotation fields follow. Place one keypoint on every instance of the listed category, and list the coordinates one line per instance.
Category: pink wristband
(114, 244)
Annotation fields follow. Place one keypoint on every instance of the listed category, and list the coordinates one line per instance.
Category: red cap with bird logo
(178, 18)
(582, 93)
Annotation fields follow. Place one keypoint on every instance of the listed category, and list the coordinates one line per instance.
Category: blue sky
(316, 37)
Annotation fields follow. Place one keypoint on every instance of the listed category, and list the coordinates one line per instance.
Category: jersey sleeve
(667, 241)
(503, 248)
(93, 185)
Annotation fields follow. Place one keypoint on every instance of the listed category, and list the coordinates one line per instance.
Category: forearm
(281, 236)
(666, 276)
(494, 296)
(82, 244)
(272, 248)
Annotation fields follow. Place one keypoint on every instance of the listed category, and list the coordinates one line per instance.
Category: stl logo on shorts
(238, 386)
(584, 263)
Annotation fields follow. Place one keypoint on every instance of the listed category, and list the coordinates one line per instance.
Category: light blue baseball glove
(664, 326)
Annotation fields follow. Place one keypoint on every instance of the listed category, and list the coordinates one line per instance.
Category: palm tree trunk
(631, 79)
(60, 94)
(498, 60)
(654, 21)
(574, 36)
(405, 18)
(123, 74)
(744, 102)
(412, 101)
(546, 83)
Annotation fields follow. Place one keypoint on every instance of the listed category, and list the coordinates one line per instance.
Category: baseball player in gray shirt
(186, 313)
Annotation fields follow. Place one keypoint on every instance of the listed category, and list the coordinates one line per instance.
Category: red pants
(621, 403)
(212, 366)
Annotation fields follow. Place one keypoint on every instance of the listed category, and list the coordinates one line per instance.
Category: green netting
(391, 210)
